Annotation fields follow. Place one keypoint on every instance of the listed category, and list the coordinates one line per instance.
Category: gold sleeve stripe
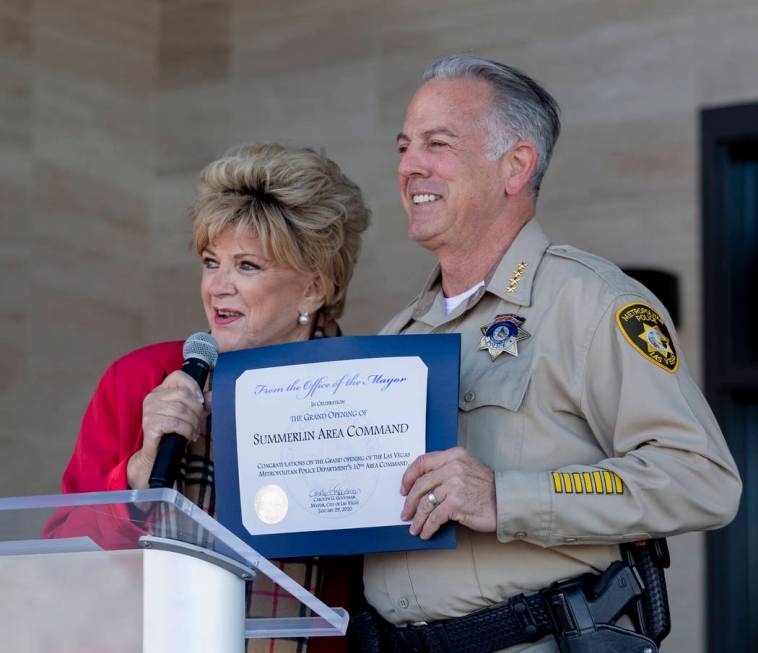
(595, 482)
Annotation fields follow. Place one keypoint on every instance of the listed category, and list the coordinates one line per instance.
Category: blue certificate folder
(440, 353)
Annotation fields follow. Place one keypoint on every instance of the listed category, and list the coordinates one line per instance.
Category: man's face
(449, 189)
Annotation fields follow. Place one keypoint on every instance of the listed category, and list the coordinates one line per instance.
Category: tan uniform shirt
(597, 434)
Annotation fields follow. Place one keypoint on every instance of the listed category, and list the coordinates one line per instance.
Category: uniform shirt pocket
(490, 424)
(501, 382)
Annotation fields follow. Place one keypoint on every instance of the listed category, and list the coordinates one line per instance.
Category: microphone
(200, 355)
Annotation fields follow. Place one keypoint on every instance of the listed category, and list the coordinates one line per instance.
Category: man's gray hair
(521, 108)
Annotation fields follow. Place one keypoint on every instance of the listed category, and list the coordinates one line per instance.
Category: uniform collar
(511, 279)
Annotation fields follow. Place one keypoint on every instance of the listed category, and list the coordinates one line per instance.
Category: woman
(278, 231)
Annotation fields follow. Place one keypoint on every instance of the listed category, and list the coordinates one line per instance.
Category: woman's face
(249, 300)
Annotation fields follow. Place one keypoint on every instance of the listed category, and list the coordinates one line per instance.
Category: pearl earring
(304, 319)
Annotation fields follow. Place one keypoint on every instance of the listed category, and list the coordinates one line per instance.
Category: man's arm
(667, 469)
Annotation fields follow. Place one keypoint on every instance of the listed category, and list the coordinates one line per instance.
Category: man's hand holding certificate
(312, 440)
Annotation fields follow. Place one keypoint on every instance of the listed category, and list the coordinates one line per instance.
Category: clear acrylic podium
(138, 571)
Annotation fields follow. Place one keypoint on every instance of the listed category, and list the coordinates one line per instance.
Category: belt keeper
(408, 640)
(525, 618)
(441, 634)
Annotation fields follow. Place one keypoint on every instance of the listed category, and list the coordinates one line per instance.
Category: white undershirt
(451, 303)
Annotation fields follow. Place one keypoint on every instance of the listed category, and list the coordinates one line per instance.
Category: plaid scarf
(195, 480)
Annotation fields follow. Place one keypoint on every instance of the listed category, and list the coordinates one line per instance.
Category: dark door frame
(731, 383)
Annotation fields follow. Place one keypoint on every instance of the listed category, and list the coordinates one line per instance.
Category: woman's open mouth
(222, 316)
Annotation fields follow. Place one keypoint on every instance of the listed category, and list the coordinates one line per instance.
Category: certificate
(320, 443)
(312, 439)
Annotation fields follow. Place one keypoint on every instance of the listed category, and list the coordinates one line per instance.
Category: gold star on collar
(515, 279)
(503, 335)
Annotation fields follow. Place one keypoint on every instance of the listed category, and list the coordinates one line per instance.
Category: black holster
(650, 612)
(585, 609)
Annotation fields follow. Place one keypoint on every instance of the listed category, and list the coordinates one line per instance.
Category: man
(580, 426)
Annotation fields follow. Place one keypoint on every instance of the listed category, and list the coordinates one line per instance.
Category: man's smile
(424, 198)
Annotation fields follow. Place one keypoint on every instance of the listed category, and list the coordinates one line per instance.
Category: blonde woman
(278, 232)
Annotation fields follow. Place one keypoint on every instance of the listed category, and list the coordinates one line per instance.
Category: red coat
(111, 430)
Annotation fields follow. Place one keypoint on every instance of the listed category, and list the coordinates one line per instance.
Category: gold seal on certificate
(271, 504)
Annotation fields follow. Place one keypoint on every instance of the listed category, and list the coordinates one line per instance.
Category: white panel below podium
(136, 601)
(191, 606)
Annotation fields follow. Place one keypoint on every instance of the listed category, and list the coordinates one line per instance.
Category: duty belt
(580, 612)
(521, 619)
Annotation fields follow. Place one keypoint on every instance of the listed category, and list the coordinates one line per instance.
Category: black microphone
(200, 356)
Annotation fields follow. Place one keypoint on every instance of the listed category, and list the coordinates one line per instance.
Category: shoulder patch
(646, 331)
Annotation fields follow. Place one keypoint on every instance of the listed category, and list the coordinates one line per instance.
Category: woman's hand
(175, 406)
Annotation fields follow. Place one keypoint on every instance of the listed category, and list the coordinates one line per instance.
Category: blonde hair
(308, 215)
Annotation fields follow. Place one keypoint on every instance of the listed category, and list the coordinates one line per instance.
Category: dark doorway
(729, 169)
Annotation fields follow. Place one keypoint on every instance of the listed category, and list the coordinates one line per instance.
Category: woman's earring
(304, 319)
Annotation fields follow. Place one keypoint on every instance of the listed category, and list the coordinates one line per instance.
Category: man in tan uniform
(580, 426)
